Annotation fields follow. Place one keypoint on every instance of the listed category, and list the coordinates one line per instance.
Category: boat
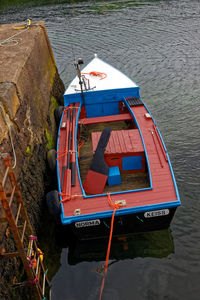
(110, 158)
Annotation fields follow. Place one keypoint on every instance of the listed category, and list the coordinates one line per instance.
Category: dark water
(157, 43)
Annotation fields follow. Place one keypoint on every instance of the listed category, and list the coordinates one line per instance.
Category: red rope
(32, 238)
(66, 108)
(29, 265)
(34, 281)
(80, 144)
(68, 197)
(64, 152)
(115, 207)
(70, 107)
(97, 74)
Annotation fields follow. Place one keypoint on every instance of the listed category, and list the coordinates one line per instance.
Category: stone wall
(30, 89)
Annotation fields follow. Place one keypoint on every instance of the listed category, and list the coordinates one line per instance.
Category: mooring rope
(11, 38)
(115, 206)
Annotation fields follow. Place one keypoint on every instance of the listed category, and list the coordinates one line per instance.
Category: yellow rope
(13, 39)
(25, 26)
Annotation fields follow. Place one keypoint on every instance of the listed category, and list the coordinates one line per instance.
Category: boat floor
(129, 181)
(161, 192)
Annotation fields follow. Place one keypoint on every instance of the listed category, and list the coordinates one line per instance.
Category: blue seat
(114, 176)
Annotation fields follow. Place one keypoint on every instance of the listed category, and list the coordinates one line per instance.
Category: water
(157, 44)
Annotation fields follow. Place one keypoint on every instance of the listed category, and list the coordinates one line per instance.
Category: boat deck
(129, 181)
(162, 193)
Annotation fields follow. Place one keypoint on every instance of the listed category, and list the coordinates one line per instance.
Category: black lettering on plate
(156, 213)
(88, 223)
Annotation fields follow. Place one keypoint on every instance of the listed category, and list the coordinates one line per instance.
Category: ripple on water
(158, 46)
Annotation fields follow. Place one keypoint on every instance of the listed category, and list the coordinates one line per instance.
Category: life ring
(34, 257)
(58, 114)
(97, 74)
(53, 204)
(51, 160)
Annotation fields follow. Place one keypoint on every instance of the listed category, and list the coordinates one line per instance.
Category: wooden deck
(129, 181)
(162, 190)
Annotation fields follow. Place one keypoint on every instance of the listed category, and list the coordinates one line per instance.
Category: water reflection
(157, 244)
(82, 264)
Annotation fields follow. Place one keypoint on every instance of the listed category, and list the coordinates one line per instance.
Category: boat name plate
(87, 223)
(156, 213)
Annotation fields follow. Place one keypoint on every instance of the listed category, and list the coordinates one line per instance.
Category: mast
(77, 66)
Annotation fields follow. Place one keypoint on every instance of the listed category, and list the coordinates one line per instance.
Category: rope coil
(13, 39)
(96, 74)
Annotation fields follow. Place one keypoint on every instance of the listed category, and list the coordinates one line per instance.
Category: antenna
(77, 66)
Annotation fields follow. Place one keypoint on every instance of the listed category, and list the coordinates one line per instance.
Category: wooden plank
(121, 141)
(114, 118)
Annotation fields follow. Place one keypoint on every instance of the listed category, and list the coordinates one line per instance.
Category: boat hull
(124, 224)
(129, 169)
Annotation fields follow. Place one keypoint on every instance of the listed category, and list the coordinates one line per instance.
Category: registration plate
(156, 213)
(88, 223)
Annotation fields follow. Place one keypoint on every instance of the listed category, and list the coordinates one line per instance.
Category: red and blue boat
(111, 156)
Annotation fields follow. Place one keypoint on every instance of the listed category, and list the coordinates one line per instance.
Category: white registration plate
(88, 223)
(156, 213)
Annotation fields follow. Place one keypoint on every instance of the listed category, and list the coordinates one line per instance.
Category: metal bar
(10, 254)
(43, 284)
(44, 271)
(12, 221)
(5, 176)
(50, 293)
(37, 266)
(157, 149)
(19, 200)
(3, 220)
(161, 145)
(20, 226)
(23, 232)
(30, 248)
(69, 141)
(12, 196)
(15, 232)
(73, 157)
(65, 158)
(18, 212)
(42, 265)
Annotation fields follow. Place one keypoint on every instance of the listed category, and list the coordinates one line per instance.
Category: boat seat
(104, 119)
(124, 149)
(98, 172)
